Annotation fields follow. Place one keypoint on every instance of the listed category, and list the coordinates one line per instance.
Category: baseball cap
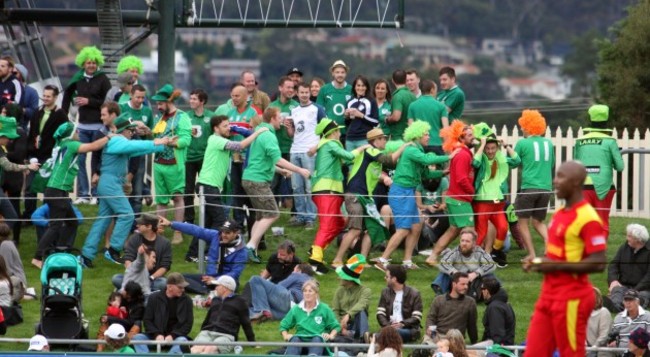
(294, 70)
(124, 79)
(177, 279)
(631, 294)
(340, 63)
(227, 282)
(115, 332)
(229, 225)
(147, 219)
(37, 343)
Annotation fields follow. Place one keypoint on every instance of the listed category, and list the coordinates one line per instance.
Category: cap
(124, 122)
(631, 294)
(147, 219)
(115, 332)
(8, 127)
(124, 79)
(640, 338)
(294, 70)
(23, 71)
(177, 279)
(352, 269)
(375, 133)
(326, 127)
(227, 282)
(598, 113)
(229, 225)
(340, 63)
(37, 343)
(164, 93)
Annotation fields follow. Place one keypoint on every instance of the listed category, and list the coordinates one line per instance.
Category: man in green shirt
(402, 99)
(264, 155)
(281, 185)
(431, 111)
(335, 95)
(451, 95)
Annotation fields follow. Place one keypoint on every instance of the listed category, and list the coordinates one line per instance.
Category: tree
(580, 63)
(623, 69)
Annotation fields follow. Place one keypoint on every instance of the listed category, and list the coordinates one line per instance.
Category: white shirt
(305, 119)
(396, 316)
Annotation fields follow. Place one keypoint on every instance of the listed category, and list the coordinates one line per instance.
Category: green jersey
(263, 155)
(65, 167)
(237, 117)
(454, 99)
(428, 109)
(600, 154)
(216, 162)
(335, 100)
(537, 156)
(402, 99)
(144, 114)
(200, 133)
(328, 174)
(284, 140)
(430, 198)
(178, 125)
(384, 111)
(412, 165)
(318, 321)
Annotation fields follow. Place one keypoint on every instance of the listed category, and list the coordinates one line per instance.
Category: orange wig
(532, 122)
(451, 134)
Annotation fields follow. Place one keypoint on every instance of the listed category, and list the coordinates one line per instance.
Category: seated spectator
(628, 320)
(115, 308)
(387, 343)
(14, 264)
(499, 318)
(638, 346)
(598, 326)
(148, 236)
(453, 310)
(117, 340)
(273, 301)
(630, 269)
(227, 314)
(457, 344)
(38, 343)
(400, 306)
(168, 315)
(6, 288)
(226, 256)
(140, 269)
(428, 197)
(133, 302)
(41, 219)
(467, 258)
(351, 299)
(280, 265)
(442, 348)
(313, 320)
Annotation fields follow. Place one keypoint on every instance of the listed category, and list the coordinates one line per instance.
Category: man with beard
(169, 165)
(334, 95)
(400, 306)
(453, 310)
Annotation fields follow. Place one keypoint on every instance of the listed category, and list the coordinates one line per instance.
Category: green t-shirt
(434, 198)
(384, 110)
(538, 160)
(216, 162)
(429, 110)
(335, 100)
(144, 114)
(453, 98)
(201, 131)
(284, 140)
(412, 165)
(264, 153)
(402, 99)
(126, 350)
(65, 166)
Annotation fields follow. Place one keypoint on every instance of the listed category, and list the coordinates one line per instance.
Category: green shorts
(169, 180)
(461, 213)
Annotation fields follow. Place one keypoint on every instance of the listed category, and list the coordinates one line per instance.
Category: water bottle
(238, 349)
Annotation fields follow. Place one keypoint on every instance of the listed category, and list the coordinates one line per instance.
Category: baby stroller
(61, 312)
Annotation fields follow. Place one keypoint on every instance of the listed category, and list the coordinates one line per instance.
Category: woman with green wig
(87, 89)
(412, 167)
(130, 64)
(64, 167)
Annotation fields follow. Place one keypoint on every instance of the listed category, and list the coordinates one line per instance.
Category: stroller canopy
(61, 262)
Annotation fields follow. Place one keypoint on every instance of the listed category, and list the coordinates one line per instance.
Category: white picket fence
(633, 184)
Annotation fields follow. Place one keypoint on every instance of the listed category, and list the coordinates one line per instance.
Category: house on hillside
(224, 72)
(551, 87)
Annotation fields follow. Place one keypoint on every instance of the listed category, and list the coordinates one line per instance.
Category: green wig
(129, 62)
(416, 130)
(91, 53)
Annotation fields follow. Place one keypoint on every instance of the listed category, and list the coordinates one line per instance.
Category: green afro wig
(416, 130)
(91, 53)
(129, 62)
(393, 146)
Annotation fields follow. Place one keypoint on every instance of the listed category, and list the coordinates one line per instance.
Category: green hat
(352, 269)
(8, 127)
(124, 122)
(599, 113)
(326, 127)
(163, 94)
(482, 130)
(64, 130)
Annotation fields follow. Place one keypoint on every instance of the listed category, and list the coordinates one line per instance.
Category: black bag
(474, 290)
(13, 314)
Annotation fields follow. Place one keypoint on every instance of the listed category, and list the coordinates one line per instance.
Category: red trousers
(330, 220)
(486, 211)
(561, 324)
(602, 206)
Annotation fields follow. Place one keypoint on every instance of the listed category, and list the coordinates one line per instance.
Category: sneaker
(81, 201)
(380, 263)
(295, 222)
(148, 200)
(93, 201)
(500, 258)
(261, 316)
(178, 238)
(319, 267)
(113, 255)
(252, 256)
(85, 262)
(191, 259)
(410, 265)
(309, 225)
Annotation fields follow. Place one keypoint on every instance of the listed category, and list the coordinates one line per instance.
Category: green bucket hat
(482, 130)
(124, 122)
(352, 269)
(326, 127)
(163, 94)
(598, 113)
(8, 127)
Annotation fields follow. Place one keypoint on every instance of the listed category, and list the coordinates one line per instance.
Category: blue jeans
(443, 282)
(197, 286)
(145, 348)
(299, 351)
(267, 296)
(83, 184)
(305, 207)
(156, 285)
(359, 325)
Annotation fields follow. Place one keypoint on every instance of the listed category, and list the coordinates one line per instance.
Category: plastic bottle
(238, 349)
